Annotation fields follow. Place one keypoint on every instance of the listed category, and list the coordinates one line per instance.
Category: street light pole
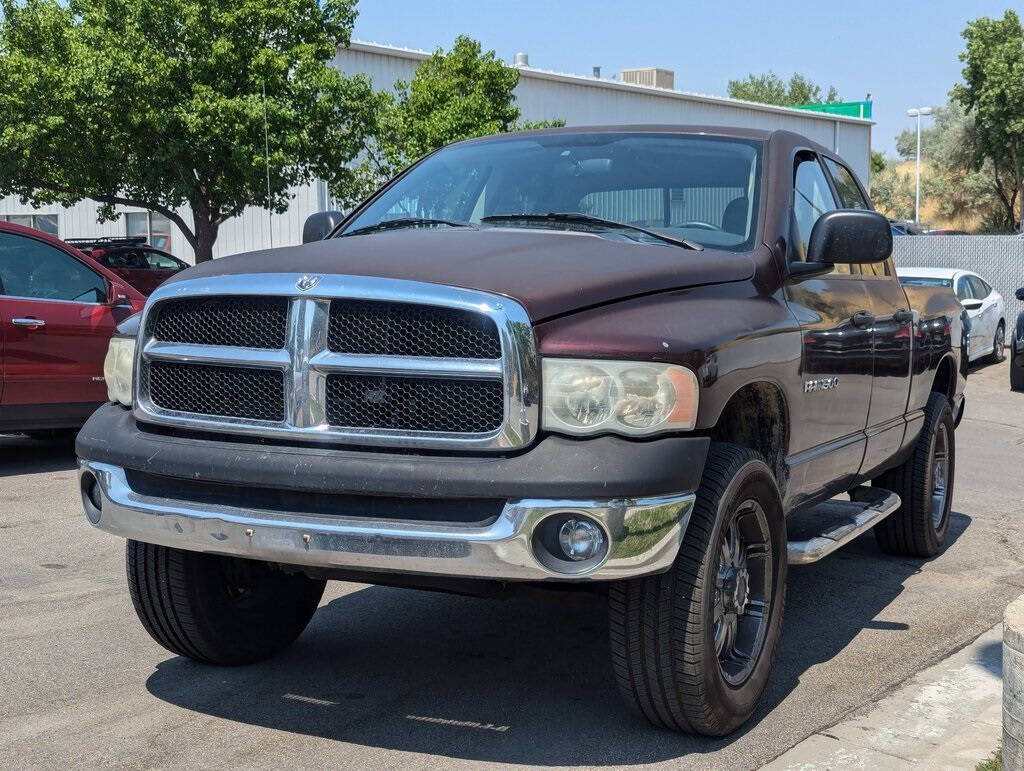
(917, 112)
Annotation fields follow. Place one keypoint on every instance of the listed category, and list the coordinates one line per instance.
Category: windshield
(925, 281)
(703, 189)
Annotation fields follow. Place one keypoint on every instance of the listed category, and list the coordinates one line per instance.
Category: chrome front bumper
(644, 534)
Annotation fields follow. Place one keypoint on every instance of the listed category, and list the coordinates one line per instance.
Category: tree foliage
(950, 180)
(993, 94)
(877, 162)
(892, 192)
(769, 88)
(454, 95)
(161, 104)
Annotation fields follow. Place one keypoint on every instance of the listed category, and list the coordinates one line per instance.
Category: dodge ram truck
(663, 363)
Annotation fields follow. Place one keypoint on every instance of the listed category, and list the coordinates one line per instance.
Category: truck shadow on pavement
(522, 681)
(21, 455)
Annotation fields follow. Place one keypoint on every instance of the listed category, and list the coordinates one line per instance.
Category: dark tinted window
(30, 268)
(980, 288)
(847, 186)
(964, 290)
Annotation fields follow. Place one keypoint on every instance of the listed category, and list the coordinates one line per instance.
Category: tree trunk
(1020, 196)
(205, 227)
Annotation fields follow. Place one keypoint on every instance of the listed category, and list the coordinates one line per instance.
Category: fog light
(580, 539)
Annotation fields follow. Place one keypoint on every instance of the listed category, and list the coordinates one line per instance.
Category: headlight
(117, 369)
(587, 396)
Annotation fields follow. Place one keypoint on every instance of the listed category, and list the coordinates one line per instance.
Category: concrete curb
(1013, 685)
(947, 716)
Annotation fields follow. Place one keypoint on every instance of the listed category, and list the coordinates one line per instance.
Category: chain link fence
(997, 259)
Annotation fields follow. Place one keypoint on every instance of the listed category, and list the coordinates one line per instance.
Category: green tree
(164, 104)
(769, 88)
(877, 162)
(949, 177)
(993, 93)
(892, 192)
(457, 95)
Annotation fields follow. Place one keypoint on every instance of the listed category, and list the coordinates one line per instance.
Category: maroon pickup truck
(639, 360)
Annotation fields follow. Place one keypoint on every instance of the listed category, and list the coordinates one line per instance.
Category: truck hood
(549, 272)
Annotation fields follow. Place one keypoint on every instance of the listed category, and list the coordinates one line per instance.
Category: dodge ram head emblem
(306, 283)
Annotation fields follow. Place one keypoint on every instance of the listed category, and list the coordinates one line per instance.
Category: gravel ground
(388, 678)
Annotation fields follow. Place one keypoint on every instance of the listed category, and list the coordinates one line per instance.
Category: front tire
(1016, 370)
(925, 486)
(693, 648)
(218, 610)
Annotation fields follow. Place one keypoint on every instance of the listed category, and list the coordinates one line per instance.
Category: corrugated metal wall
(541, 95)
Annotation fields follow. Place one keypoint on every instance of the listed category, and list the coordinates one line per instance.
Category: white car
(984, 306)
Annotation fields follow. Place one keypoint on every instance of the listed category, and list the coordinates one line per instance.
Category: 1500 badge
(821, 384)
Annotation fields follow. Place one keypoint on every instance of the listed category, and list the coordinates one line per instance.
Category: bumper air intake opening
(92, 499)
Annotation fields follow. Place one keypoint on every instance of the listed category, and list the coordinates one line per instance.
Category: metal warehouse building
(577, 99)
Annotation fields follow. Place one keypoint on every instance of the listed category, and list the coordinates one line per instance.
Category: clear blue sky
(904, 53)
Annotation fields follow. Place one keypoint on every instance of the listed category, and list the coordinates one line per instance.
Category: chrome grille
(415, 403)
(401, 329)
(356, 360)
(248, 322)
(235, 392)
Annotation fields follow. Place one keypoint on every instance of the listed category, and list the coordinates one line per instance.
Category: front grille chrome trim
(477, 369)
(186, 353)
(306, 361)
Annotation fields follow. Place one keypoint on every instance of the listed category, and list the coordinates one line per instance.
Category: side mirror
(1020, 294)
(971, 305)
(321, 223)
(116, 297)
(850, 236)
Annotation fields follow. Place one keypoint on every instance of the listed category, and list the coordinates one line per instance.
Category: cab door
(891, 338)
(57, 324)
(833, 309)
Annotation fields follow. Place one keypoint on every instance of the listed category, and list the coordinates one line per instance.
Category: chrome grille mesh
(339, 359)
(402, 329)
(235, 392)
(247, 322)
(414, 403)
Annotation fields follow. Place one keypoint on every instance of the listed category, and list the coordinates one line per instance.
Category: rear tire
(693, 648)
(919, 526)
(219, 610)
(999, 343)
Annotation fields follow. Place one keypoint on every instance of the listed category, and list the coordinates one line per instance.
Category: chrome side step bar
(826, 527)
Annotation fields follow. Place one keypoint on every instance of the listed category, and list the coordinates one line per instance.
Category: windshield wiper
(590, 219)
(403, 222)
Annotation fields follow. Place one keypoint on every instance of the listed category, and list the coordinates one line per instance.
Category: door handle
(903, 316)
(29, 323)
(863, 319)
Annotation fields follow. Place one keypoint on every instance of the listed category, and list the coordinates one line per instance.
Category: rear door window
(980, 288)
(846, 184)
(159, 261)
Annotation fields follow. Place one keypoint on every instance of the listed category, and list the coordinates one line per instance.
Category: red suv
(143, 266)
(58, 309)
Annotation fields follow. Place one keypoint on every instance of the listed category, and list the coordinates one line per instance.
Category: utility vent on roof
(650, 76)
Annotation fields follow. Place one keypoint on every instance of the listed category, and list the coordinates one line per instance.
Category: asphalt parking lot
(388, 678)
